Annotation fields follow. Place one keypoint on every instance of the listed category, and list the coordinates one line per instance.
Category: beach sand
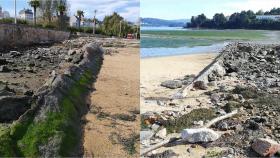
(156, 70)
(117, 92)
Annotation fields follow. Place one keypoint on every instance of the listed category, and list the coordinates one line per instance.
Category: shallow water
(158, 52)
(168, 41)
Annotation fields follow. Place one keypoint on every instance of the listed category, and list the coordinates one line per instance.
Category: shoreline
(154, 71)
(178, 55)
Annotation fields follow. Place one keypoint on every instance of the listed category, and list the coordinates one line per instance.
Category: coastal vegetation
(243, 20)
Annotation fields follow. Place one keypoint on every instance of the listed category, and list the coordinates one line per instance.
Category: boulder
(200, 85)
(199, 135)
(172, 84)
(265, 147)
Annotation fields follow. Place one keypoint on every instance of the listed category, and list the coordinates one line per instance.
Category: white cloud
(129, 9)
(254, 5)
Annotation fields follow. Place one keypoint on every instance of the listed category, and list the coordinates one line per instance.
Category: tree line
(55, 14)
(239, 20)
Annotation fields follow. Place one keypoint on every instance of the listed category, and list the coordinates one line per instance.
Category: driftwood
(172, 139)
(215, 120)
(166, 141)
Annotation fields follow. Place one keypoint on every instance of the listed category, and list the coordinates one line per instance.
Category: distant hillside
(162, 22)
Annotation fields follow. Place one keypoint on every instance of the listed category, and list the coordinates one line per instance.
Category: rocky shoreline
(43, 93)
(244, 77)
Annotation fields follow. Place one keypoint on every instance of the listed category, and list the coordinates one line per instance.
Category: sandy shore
(156, 70)
(117, 92)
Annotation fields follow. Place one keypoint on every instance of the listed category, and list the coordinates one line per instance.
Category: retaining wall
(19, 35)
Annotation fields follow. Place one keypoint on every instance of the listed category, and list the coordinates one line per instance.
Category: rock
(3, 62)
(68, 58)
(160, 103)
(200, 85)
(253, 125)
(4, 68)
(198, 123)
(265, 147)
(230, 106)
(223, 126)
(231, 151)
(172, 84)
(212, 84)
(145, 135)
(11, 107)
(215, 98)
(77, 58)
(199, 135)
(155, 127)
(71, 52)
(161, 133)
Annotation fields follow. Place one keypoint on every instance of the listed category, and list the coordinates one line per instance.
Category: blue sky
(184, 9)
(129, 9)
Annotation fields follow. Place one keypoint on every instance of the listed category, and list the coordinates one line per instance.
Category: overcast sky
(129, 9)
(184, 9)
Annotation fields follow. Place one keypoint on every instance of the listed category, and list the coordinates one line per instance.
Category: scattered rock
(4, 68)
(199, 135)
(265, 147)
(200, 85)
(172, 84)
(145, 135)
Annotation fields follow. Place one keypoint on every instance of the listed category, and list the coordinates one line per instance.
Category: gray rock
(11, 107)
(172, 84)
(199, 135)
(200, 85)
(4, 68)
(215, 98)
(161, 133)
(145, 135)
(155, 127)
(71, 52)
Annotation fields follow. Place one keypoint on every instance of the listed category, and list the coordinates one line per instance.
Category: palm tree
(61, 9)
(35, 4)
(79, 16)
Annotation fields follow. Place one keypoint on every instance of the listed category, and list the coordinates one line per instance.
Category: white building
(4, 14)
(268, 17)
(26, 14)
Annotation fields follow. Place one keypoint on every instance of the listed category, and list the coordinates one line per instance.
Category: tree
(35, 4)
(61, 9)
(79, 16)
(219, 20)
(200, 19)
(111, 24)
(260, 12)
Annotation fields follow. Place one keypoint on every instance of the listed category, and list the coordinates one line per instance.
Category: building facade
(26, 14)
(4, 14)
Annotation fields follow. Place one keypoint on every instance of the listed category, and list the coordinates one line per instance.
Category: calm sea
(153, 44)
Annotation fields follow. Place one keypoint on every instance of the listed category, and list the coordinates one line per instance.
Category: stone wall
(20, 35)
(53, 126)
